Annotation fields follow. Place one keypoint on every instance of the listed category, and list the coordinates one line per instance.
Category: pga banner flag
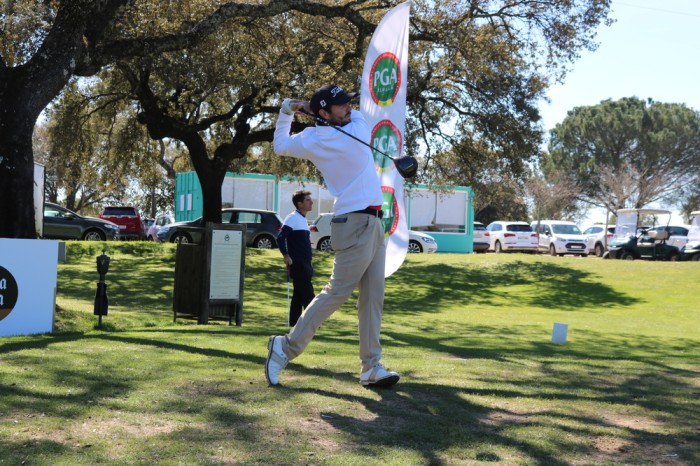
(383, 103)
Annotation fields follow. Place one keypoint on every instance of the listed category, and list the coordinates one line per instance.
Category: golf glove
(287, 107)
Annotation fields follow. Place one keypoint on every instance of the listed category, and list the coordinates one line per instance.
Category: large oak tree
(477, 71)
(627, 153)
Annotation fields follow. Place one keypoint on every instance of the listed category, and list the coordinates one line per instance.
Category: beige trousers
(358, 242)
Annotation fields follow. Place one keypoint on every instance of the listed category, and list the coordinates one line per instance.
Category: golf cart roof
(644, 211)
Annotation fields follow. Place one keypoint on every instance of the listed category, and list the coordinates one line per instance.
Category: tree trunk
(211, 173)
(19, 111)
(16, 181)
(27, 89)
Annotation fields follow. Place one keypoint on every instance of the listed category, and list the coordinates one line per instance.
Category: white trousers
(358, 242)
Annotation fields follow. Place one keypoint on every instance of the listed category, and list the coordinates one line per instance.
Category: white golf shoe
(377, 376)
(276, 360)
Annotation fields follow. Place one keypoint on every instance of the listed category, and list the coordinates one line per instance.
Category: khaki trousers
(358, 242)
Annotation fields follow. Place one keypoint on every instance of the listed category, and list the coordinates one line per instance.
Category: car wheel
(325, 244)
(181, 238)
(695, 258)
(674, 257)
(264, 242)
(94, 235)
(497, 247)
(414, 246)
(627, 256)
(552, 250)
(584, 255)
(599, 250)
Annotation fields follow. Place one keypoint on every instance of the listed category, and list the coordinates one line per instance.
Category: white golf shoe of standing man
(357, 233)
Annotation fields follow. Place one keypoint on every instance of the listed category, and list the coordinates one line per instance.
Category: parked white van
(559, 237)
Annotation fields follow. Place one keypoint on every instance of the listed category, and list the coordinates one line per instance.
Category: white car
(320, 233)
(511, 236)
(420, 241)
(559, 237)
(597, 240)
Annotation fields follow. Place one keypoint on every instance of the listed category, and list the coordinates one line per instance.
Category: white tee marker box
(559, 333)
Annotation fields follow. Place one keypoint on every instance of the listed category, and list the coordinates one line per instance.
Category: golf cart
(691, 250)
(633, 241)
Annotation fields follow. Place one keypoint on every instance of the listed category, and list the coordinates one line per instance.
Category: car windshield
(518, 228)
(566, 229)
(626, 224)
(694, 232)
(479, 228)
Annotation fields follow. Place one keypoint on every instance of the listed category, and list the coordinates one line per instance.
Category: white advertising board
(28, 269)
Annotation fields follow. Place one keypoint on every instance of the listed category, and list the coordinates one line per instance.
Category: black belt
(370, 211)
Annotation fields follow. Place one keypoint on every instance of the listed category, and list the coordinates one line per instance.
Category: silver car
(320, 234)
(481, 241)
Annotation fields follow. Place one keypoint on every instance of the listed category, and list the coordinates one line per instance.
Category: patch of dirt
(611, 445)
(612, 450)
(633, 422)
(502, 418)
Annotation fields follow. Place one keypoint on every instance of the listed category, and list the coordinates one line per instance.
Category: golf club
(289, 304)
(407, 166)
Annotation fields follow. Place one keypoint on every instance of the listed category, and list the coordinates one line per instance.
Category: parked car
(691, 250)
(61, 223)
(559, 237)
(262, 228)
(420, 241)
(481, 241)
(147, 222)
(320, 234)
(598, 239)
(633, 242)
(160, 221)
(511, 236)
(128, 219)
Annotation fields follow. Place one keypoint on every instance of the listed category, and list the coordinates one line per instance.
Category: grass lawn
(482, 383)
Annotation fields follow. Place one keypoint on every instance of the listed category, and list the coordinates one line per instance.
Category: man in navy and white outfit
(295, 246)
(357, 233)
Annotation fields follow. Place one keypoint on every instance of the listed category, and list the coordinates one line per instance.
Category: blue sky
(652, 51)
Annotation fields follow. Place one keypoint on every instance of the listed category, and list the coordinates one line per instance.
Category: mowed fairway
(482, 383)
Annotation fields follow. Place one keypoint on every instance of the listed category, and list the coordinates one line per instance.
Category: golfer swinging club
(348, 169)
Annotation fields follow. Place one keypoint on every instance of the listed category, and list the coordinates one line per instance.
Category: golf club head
(406, 166)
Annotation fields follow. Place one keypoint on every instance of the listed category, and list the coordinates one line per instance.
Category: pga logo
(385, 79)
(386, 138)
(8, 292)
(390, 206)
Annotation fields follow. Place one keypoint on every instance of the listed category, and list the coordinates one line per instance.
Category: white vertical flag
(383, 103)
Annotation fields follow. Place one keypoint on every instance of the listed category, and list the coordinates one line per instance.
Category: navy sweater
(293, 238)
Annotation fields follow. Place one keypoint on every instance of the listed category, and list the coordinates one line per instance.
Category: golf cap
(329, 95)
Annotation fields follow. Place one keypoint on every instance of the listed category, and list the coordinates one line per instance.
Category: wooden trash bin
(209, 276)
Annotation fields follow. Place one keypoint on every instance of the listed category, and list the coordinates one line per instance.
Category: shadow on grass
(547, 285)
(435, 420)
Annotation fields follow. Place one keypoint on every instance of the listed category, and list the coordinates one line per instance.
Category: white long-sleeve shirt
(347, 165)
